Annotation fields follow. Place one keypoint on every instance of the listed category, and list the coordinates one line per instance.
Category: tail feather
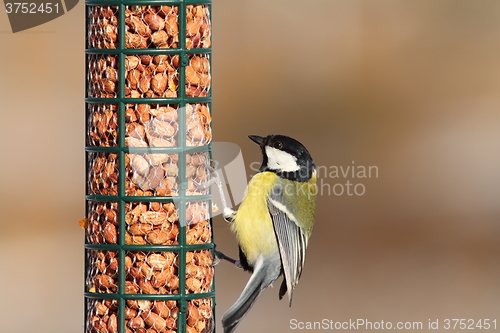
(284, 290)
(236, 313)
(262, 277)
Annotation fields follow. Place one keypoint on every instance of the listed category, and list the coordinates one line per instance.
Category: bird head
(285, 156)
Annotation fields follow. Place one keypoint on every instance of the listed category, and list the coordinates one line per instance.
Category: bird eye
(278, 145)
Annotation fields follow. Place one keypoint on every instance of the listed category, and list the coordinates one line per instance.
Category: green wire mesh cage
(148, 234)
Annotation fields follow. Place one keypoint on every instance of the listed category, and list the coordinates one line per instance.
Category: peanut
(110, 234)
(138, 25)
(135, 323)
(134, 41)
(154, 321)
(161, 309)
(112, 324)
(159, 83)
(146, 287)
(193, 315)
(140, 229)
(131, 62)
(154, 21)
(157, 237)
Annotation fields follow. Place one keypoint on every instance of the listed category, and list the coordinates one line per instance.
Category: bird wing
(292, 239)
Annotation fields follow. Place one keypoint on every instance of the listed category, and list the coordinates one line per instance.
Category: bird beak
(257, 139)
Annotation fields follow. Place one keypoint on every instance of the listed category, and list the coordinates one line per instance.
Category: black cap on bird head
(285, 156)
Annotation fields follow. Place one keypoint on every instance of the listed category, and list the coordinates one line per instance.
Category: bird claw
(216, 260)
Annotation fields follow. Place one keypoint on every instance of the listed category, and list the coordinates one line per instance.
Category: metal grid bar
(121, 198)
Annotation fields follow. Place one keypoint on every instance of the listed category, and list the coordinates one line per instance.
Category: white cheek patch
(280, 160)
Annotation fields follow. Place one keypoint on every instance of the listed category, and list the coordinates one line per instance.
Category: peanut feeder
(148, 235)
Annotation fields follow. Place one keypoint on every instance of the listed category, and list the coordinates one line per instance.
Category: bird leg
(219, 255)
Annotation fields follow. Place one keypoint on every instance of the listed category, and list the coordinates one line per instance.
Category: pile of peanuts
(148, 173)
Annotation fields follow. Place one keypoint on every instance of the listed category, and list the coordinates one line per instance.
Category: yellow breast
(253, 225)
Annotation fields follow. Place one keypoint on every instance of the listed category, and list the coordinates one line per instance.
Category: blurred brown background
(411, 87)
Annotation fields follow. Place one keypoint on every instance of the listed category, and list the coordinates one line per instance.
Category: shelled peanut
(198, 120)
(149, 272)
(148, 125)
(102, 316)
(198, 27)
(197, 173)
(102, 125)
(198, 78)
(102, 223)
(151, 316)
(148, 76)
(151, 125)
(199, 271)
(102, 271)
(198, 233)
(149, 26)
(103, 173)
(154, 27)
(152, 174)
(147, 174)
(102, 23)
(153, 76)
(200, 316)
(198, 228)
(148, 316)
(151, 223)
(102, 75)
(158, 174)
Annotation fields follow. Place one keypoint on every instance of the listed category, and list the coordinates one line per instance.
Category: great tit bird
(273, 222)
